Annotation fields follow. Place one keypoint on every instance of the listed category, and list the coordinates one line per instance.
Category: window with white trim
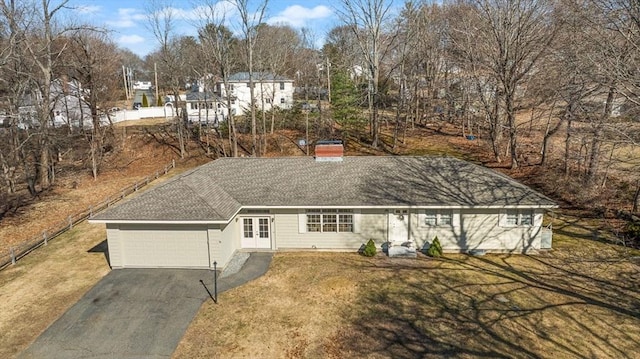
(513, 218)
(329, 220)
(433, 217)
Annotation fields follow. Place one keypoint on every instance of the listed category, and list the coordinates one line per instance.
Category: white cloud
(127, 17)
(201, 12)
(130, 39)
(297, 15)
(88, 9)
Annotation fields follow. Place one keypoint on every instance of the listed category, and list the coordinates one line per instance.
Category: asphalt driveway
(139, 313)
(130, 313)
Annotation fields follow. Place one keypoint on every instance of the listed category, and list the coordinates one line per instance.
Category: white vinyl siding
(230, 241)
(290, 231)
(215, 244)
(197, 246)
(114, 245)
(485, 229)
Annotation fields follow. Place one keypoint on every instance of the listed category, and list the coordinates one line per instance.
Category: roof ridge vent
(329, 151)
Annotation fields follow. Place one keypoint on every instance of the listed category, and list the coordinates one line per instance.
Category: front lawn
(580, 300)
(39, 288)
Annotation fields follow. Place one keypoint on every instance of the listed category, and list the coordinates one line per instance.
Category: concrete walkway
(137, 313)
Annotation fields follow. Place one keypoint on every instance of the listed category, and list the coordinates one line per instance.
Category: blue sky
(128, 19)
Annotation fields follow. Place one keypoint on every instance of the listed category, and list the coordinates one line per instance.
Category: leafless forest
(550, 84)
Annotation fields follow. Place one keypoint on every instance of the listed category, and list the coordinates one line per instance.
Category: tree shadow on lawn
(494, 307)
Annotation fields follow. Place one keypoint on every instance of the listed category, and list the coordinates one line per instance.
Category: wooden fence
(17, 252)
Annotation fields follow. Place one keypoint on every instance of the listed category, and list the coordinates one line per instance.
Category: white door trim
(255, 232)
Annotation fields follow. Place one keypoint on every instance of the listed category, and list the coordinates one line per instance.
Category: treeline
(57, 78)
(500, 69)
(497, 68)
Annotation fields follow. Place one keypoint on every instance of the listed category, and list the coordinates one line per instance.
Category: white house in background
(205, 107)
(142, 85)
(269, 91)
(332, 202)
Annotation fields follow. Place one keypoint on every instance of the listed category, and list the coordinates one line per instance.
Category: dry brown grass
(143, 122)
(76, 190)
(43, 285)
(580, 300)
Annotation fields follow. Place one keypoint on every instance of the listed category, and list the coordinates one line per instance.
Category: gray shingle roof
(202, 96)
(257, 76)
(217, 190)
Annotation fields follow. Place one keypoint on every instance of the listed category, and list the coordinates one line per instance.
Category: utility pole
(155, 71)
(328, 80)
(124, 78)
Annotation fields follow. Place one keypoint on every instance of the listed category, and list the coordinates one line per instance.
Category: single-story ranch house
(330, 202)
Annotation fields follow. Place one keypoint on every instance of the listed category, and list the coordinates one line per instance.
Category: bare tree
(14, 85)
(502, 41)
(161, 20)
(218, 45)
(97, 74)
(250, 20)
(38, 31)
(424, 35)
(275, 51)
(366, 19)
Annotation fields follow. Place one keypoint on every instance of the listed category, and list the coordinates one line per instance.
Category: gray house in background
(68, 106)
(329, 202)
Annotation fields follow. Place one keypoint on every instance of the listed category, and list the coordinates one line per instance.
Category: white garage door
(170, 248)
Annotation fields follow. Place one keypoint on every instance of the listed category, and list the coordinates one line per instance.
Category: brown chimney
(329, 151)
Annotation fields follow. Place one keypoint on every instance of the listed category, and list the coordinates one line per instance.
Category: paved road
(136, 313)
(151, 97)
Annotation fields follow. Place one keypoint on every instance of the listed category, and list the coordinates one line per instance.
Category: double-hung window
(330, 220)
(513, 218)
(314, 222)
(434, 217)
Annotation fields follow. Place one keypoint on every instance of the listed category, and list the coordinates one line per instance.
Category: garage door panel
(170, 248)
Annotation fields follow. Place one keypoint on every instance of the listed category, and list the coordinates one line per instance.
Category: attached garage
(159, 247)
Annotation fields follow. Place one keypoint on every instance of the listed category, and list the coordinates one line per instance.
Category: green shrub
(159, 103)
(145, 100)
(370, 249)
(435, 248)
